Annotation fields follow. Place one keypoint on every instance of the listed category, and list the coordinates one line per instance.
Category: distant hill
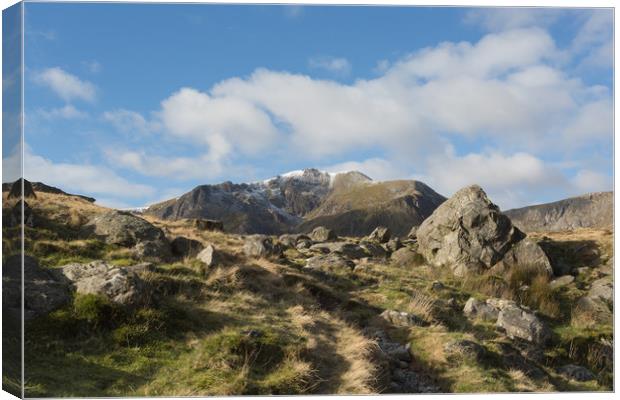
(594, 210)
(42, 187)
(349, 202)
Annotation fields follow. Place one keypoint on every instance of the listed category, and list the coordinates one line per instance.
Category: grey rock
(124, 229)
(347, 249)
(184, 247)
(413, 233)
(561, 281)
(602, 289)
(466, 348)
(467, 233)
(121, 285)
(380, 234)
(522, 324)
(393, 244)
(43, 291)
(157, 249)
(479, 309)
(303, 244)
(260, 246)
(291, 240)
(332, 262)
(591, 311)
(322, 234)
(401, 318)
(406, 257)
(374, 250)
(576, 372)
(208, 224)
(437, 286)
(209, 256)
(528, 254)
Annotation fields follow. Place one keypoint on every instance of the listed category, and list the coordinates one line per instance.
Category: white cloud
(66, 112)
(378, 169)
(128, 121)
(337, 65)
(81, 178)
(503, 18)
(65, 85)
(592, 181)
(92, 66)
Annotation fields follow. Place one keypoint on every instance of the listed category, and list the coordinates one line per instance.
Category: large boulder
(43, 291)
(209, 256)
(405, 257)
(479, 309)
(332, 262)
(528, 254)
(125, 229)
(323, 234)
(260, 246)
(467, 233)
(120, 285)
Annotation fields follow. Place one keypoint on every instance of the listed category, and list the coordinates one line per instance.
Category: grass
(268, 327)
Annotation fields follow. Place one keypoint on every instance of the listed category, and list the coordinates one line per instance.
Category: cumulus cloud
(337, 65)
(81, 178)
(503, 18)
(65, 85)
(378, 169)
(128, 121)
(66, 112)
(592, 181)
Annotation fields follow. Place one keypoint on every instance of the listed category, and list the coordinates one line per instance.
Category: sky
(137, 103)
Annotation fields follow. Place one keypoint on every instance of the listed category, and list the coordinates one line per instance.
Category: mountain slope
(594, 210)
(355, 210)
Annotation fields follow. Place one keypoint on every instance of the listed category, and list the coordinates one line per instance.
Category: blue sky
(133, 104)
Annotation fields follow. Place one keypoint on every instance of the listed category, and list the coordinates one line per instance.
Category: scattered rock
(260, 246)
(519, 323)
(121, 285)
(467, 232)
(184, 247)
(152, 249)
(347, 249)
(329, 263)
(602, 289)
(475, 308)
(576, 373)
(513, 359)
(406, 257)
(381, 234)
(303, 243)
(374, 250)
(413, 233)
(561, 281)
(43, 291)
(209, 256)
(591, 311)
(465, 348)
(291, 240)
(208, 224)
(401, 318)
(323, 234)
(393, 244)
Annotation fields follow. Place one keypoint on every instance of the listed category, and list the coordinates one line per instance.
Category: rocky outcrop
(43, 291)
(31, 188)
(121, 285)
(478, 309)
(468, 234)
(332, 262)
(594, 210)
(347, 249)
(125, 229)
(381, 234)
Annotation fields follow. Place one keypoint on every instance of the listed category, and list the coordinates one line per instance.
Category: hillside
(288, 315)
(594, 210)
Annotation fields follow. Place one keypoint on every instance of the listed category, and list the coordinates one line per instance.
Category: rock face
(121, 285)
(468, 233)
(594, 210)
(125, 229)
(43, 291)
(260, 246)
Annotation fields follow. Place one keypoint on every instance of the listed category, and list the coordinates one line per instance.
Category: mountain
(43, 188)
(354, 210)
(593, 210)
(349, 202)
